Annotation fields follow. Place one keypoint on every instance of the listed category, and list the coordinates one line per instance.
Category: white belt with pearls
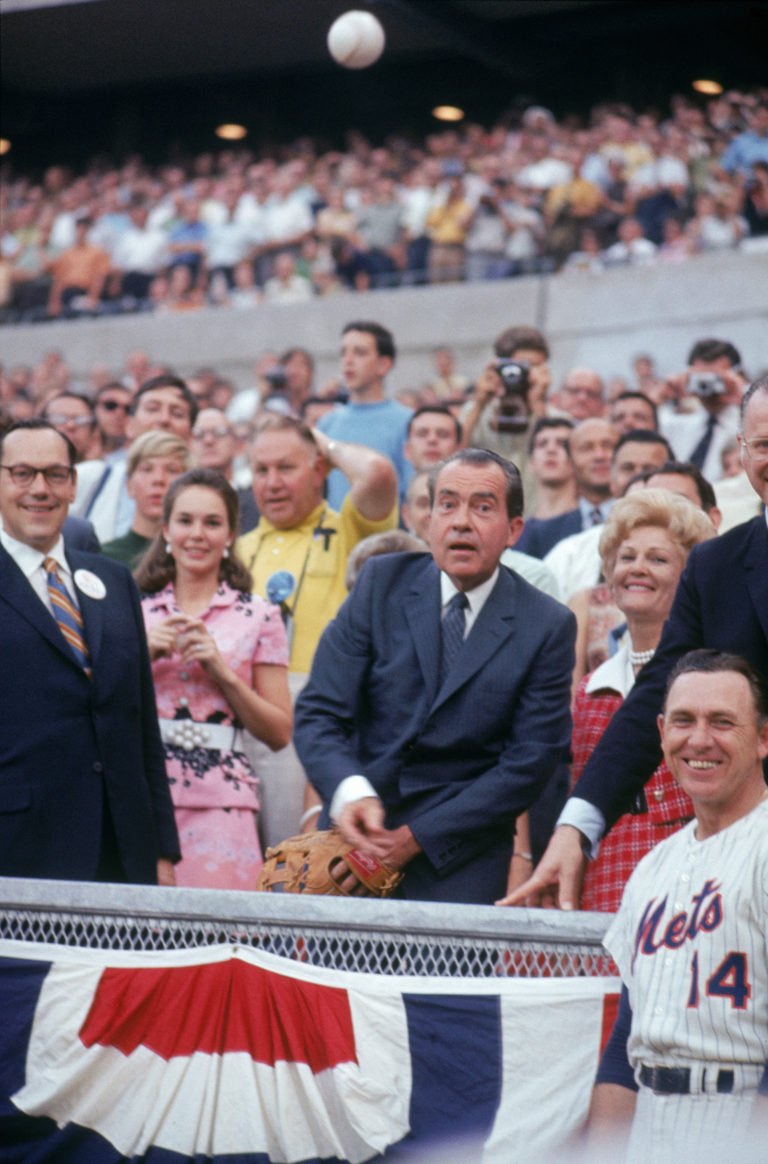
(188, 734)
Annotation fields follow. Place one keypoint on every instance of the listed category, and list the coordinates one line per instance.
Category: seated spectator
(755, 205)
(717, 225)
(589, 257)
(632, 248)
(448, 384)
(78, 276)
(446, 226)
(285, 285)
(139, 256)
(180, 292)
(749, 147)
(379, 235)
(155, 459)
(188, 241)
(679, 242)
(244, 293)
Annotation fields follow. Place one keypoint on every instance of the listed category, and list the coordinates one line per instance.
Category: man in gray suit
(437, 707)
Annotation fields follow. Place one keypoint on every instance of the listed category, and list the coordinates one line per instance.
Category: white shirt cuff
(583, 815)
(351, 788)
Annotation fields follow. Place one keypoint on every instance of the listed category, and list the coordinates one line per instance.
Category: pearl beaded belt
(188, 734)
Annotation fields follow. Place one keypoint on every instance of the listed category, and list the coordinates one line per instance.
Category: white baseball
(356, 39)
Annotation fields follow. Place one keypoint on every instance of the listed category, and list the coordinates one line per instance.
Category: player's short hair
(708, 661)
(513, 492)
(685, 524)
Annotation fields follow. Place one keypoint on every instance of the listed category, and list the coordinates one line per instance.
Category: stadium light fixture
(709, 87)
(5, 145)
(231, 132)
(448, 113)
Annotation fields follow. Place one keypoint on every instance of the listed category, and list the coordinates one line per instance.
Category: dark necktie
(67, 616)
(453, 627)
(699, 454)
(596, 515)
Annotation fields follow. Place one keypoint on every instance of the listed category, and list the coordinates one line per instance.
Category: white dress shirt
(30, 562)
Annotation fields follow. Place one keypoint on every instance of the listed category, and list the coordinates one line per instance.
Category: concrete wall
(601, 320)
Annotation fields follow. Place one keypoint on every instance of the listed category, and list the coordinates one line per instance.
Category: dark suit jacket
(457, 764)
(540, 535)
(68, 743)
(79, 534)
(721, 602)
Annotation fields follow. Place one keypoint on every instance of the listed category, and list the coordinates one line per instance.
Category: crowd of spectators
(528, 194)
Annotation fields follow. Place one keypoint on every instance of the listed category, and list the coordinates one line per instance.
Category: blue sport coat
(458, 762)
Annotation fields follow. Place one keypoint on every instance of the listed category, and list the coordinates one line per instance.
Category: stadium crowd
(528, 194)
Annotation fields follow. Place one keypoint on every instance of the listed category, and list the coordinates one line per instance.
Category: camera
(276, 377)
(706, 384)
(513, 413)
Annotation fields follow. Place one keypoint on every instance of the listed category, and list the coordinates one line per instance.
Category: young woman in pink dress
(219, 659)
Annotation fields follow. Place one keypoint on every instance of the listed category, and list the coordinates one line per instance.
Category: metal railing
(378, 937)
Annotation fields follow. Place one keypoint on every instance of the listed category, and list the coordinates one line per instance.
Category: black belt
(677, 1080)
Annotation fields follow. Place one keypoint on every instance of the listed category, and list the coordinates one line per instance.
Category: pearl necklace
(640, 658)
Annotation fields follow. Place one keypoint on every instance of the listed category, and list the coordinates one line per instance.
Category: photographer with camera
(509, 396)
(716, 382)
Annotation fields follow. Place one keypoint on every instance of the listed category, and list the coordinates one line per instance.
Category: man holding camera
(714, 378)
(510, 394)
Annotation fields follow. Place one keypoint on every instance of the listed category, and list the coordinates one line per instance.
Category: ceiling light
(5, 145)
(231, 132)
(711, 88)
(448, 113)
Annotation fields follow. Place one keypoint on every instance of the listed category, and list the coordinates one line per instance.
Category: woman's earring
(167, 547)
(226, 552)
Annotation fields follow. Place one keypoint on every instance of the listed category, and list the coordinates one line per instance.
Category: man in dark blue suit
(83, 789)
(437, 707)
(721, 602)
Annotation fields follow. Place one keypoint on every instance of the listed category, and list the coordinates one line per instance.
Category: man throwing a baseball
(686, 1064)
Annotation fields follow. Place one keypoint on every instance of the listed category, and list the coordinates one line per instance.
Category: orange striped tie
(67, 616)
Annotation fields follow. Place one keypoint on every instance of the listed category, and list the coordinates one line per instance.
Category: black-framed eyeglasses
(54, 474)
(113, 405)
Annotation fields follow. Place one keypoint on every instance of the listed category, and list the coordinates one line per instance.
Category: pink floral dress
(214, 789)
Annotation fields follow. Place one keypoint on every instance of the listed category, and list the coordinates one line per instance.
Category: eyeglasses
(221, 430)
(77, 421)
(112, 406)
(55, 475)
(757, 448)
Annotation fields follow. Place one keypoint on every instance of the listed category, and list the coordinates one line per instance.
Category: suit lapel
(756, 566)
(422, 613)
(493, 627)
(16, 590)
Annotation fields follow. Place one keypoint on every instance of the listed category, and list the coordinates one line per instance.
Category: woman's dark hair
(158, 568)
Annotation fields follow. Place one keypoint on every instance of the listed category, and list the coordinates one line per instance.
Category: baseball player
(687, 1058)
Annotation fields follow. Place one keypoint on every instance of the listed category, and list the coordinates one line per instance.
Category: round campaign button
(90, 584)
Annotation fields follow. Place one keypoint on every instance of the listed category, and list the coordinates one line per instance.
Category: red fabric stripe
(610, 1010)
(225, 1006)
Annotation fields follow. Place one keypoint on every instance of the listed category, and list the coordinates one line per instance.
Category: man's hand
(362, 824)
(558, 878)
(166, 874)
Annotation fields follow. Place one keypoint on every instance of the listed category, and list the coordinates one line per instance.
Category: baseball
(356, 39)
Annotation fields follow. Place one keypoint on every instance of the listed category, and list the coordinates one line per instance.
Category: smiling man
(690, 939)
(437, 706)
(83, 788)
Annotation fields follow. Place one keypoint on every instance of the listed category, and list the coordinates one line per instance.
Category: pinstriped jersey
(691, 942)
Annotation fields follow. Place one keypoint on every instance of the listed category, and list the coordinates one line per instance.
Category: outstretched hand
(557, 879)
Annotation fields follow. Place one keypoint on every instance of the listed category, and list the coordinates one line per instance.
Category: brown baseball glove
(308, 864)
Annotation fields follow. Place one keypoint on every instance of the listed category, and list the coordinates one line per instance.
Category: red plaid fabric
(633, 835)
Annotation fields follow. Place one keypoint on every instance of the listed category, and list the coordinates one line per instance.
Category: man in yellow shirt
(297, 556)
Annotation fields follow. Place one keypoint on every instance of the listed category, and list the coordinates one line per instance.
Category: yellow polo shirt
(318, 549)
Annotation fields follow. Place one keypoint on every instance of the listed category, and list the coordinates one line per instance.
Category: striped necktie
(453, 625)
(67, 616)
